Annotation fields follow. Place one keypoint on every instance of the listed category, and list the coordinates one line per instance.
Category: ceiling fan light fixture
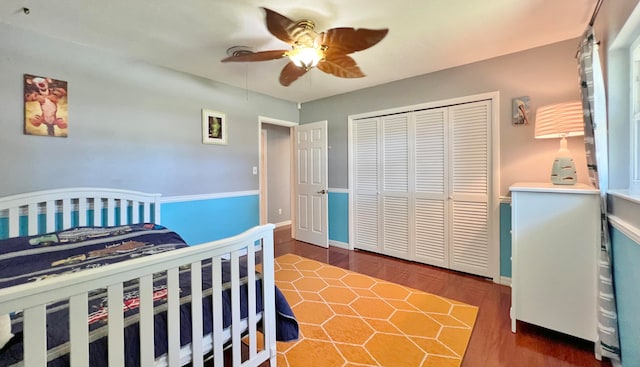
(306, 57)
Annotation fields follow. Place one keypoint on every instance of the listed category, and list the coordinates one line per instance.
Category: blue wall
(626, 273)
(207, 220)
(339, 217)
(505, 240)
(339, 227)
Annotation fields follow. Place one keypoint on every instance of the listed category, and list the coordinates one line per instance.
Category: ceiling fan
(328, 51)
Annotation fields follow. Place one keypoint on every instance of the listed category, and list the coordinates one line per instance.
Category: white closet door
(431, 162)
(396, 203)
(366, 142)
(469, 172)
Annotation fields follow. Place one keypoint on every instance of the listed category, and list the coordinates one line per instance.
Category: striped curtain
(595, 138)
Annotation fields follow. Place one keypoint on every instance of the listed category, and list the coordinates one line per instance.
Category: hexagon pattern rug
(349, 319)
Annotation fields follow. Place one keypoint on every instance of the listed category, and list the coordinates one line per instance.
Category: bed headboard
(54, 210)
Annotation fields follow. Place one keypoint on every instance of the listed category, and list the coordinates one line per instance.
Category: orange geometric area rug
(350, 319)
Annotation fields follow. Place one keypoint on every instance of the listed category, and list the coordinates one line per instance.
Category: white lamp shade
(559, 120)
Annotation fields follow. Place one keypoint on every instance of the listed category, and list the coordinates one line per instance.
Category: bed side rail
(255, 243)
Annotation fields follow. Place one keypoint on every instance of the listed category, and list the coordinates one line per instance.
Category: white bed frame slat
(218, 340)
(97, 211)
(111, 212)
(14, 222)
(50, 209)
(147, 213)
(147, 350)
(32, 298)
(78, 330)
(66, 213)
(173, 317)
(82, 211)
(235, 308)
(33, 219)
(124, 213)
(251, 302)
(35, 321)
(115, 321)
(135, 213)
(268, 270)
(196, 313)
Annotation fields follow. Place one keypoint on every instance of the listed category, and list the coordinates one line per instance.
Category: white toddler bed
(56, 210)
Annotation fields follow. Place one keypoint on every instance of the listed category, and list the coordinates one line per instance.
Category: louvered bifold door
(365, 180)
(469, 195)
(396, 198)
(431, 162)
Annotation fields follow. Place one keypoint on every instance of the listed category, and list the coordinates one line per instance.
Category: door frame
(261, 184)
(494, 174)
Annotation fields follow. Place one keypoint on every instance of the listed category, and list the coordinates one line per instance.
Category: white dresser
(555, 247)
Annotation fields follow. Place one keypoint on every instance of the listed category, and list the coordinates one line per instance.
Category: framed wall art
(45, 106)
(214, 127)
(520, 110)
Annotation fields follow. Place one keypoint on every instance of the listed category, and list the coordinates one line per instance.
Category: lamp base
(563, 171)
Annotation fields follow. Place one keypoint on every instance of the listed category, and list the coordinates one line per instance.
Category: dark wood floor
(492, 342)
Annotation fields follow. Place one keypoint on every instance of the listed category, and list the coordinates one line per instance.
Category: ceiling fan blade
(348, 40)
(256, 56)
(340, 65)
(290, 73)
(279, 25)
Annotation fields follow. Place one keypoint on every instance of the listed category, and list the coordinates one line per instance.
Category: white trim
(495, 96)
(291, 125)
(505, 281)
(625, 194)
(339, 244)
(505, 199)
(272, 121)
(282, 224)
(629, 31)
(626, 228)
(339, 191)
(219, 195)
(494, 188)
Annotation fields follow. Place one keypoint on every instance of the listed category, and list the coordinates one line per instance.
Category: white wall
(546, 74)
(278, 173)
(131, 125)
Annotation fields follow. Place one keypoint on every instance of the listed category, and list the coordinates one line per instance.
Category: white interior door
(469, 249)
(431, 161)
(311, 204)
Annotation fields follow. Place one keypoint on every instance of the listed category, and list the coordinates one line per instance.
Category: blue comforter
(28, 259)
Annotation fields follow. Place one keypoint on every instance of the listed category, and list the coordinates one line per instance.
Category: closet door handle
(323, 191)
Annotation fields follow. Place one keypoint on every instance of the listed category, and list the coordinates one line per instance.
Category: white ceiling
(192, 36)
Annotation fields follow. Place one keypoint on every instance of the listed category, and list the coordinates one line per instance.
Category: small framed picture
(46, 111)
(520, 110)
(214, 127)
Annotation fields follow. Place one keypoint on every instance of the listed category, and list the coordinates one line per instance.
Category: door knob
(323, 191)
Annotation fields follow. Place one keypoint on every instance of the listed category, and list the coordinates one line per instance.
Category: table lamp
(559, 121)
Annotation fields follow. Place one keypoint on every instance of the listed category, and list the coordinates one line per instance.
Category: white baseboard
(282, 224)
(339, 244)
(505, 281)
